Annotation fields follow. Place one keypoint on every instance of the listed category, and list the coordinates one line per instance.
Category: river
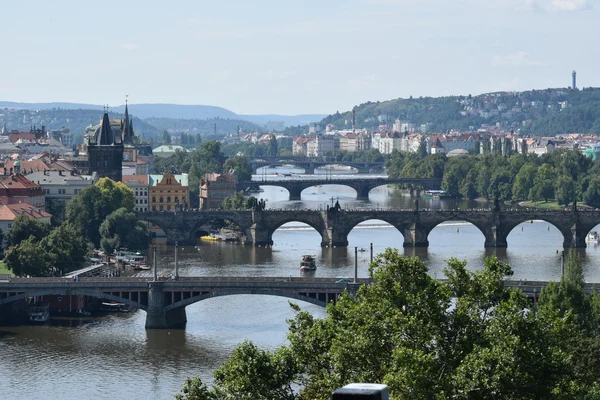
(114, 357)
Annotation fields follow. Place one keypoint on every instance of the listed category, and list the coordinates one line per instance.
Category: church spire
(127, 132)
(105, 136)
(4, 131)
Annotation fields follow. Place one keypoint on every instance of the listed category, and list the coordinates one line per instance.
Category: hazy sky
(291, 56)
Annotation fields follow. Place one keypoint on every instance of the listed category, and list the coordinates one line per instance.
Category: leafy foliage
(23, 227)
(91, 206)
(463, 338)
(122, 228)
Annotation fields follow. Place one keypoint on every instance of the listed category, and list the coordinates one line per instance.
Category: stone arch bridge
(309, 164)
(334, 225)
(165, 300)
(362, 186)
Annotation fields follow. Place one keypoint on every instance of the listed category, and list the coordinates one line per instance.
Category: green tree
(591, 196)
(565, 190)
(543, 183)
(66, 247)
(468, 187)
(92, 205)
(239, 167)
(523, 182)
(273, 146)
(235, 202)
(166, 138)
(23, 227)
(28, 258)
(122, 228)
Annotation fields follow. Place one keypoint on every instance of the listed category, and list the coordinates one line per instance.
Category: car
(344, 280)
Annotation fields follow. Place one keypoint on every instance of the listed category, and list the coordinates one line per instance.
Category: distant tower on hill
(574, 83)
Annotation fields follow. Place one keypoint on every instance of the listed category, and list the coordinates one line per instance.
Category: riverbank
(4, 270)
(548, 205)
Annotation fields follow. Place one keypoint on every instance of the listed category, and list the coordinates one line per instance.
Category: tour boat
(308, 263)
(39, 313)
(592, 237)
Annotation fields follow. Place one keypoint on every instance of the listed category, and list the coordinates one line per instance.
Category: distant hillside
(174, 111)
(539, 112)
(202, 126)
(75, 120)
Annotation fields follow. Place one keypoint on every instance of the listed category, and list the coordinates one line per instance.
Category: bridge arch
(67, 292)
(318, 226)
(191, 300)
(422, 235)
(565, 230)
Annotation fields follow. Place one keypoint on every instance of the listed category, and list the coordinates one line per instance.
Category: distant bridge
(335, 225)
(165, 300)
(309, 164)
(362, 186)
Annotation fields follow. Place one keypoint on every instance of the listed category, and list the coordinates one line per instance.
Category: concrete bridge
(309, 164)
(362, 186)
(335, 225)
(165, 300)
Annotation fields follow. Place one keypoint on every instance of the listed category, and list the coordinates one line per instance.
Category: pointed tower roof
(105, 136)
(127, 133)
(4, 131)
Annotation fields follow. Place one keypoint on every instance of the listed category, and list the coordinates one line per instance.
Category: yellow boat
(210, 238)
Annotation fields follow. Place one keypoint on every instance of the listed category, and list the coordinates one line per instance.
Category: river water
(114, 357)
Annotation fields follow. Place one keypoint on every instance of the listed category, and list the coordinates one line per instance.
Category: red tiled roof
(143, 179)
(11, 211)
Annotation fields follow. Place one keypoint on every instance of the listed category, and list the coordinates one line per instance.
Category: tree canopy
(466, 337)
(90, 207)
(122, 228)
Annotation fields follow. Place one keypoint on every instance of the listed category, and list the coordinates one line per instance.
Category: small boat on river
(308, 263)
(39, 312)
(592, 237)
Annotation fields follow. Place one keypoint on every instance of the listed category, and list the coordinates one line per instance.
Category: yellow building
(168, 192)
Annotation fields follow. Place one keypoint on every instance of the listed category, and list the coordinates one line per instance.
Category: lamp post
(355, 264)
(154, 262)
(176, 265)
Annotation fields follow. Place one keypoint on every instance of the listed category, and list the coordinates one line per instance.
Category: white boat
(592, 237)
(39, 313)
(308, 263)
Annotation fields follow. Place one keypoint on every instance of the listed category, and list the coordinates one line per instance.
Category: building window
(153, 208)
(168, 199)
(176, 199)
(161, 208)
(168, 207)
(145, 201)
(160, 200)
(153, 199)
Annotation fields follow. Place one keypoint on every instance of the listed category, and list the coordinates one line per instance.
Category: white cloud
(517, 59)
(559, 5)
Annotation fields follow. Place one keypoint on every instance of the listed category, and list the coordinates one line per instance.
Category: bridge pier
(334, 238)
(258, 235)
(181, 236)
(415, 236)
(309, 169)
(295, 192)
(156, 316)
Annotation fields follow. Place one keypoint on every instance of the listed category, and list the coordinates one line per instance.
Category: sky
(291, 57)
